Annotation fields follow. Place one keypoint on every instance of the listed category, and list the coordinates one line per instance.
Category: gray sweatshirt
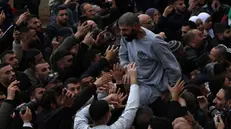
(156, 65)
(125, 120)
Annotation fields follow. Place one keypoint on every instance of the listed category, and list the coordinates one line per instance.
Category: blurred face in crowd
(65, 62)
(38, 93)
(184, 30)
(208, 24)
(74, 88)
(89, 11)
(87, 81)
(36, 24)
(146, 21)
(214, 53)
(7, 75)
(129, 32)
(199, 24)
(227, 34)
(42, 70)
(39, 58)
(219, 101)
(198, 40)
(180, 6)
(32, 35)
(12, 60)
(156, 17)
(62, 17)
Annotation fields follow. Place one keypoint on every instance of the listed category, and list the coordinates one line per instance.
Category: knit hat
(150, 12)
(174, 45)
(98, 109)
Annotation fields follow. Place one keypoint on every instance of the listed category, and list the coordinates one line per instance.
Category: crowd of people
(116, 64)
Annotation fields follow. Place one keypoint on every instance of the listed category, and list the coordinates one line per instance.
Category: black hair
(98, 110)
(50, 97)
(190, 24)
(70, 80)
(33, 88)
(59, 8)
(220, 68)
(143, 117)
(160, 123)
(216, 83)
(30, 55)
(5, 53)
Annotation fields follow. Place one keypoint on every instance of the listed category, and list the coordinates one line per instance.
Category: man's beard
(130, 37)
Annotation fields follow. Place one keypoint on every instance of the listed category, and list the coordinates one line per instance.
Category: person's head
(28, 34)
(181, 123)
(146, 21)
(52, 98)
(62, 15)
(10, 58)
(34, 23)
(222, 31)
(88, 10)
(160, 123)
(179, 6)
(42, 70)
(223, 98)
(143, 117)
(129, 26)
(2, 98)
(7, 74)
(73, 85)
(91, 57)
(194, 38)
(63, 59)
(206, 19)
(100, 112)
(186, 27)
(154, 14)
(218, 53)
(87, 80)
(177, 48)
(34, 57)
(37, 92)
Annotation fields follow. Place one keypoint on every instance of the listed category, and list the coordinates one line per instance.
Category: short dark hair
(71, 80)
(128, 19)
(98, 110)
(50, 97)
(190, 24)
(60, 7)
(160, 123)
(5, 53)
(30, 55)
(3, 65)
(143, 117)
(33, 88)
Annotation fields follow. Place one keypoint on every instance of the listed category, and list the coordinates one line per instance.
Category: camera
(214, 112)
(22, 108)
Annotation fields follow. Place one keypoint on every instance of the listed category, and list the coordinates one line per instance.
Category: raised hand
(118, 73)
(12, 89)
(219, 122)
(23, 18)
(203, 102)
(132, 73)
(67, 98)
(111, 52)
(83, 29)
(168, 10)
(175, 91)
(103, 80)
(89, 40)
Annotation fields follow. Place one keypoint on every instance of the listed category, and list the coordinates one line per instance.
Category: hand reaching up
(176, 89)
(132, 73)
(83, 29)
(103, 80)
(12, 89)
(111, 52)
(27, 116)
